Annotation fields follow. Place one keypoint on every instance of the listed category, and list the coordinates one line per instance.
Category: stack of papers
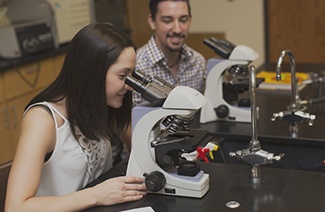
(143, 209)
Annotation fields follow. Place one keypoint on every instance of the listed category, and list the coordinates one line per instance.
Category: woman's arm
(36, 140)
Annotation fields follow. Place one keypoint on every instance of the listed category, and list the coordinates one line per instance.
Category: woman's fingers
(132, 179)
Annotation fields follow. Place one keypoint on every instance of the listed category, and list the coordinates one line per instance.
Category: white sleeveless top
(73, 164)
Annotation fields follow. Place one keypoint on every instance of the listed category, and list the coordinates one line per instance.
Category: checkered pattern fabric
(192, 67)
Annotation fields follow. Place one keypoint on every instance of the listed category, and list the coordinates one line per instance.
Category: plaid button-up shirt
(191, 73)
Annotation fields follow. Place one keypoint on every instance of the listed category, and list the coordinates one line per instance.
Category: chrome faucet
(254, 155)
(294, 114)
(294, 91)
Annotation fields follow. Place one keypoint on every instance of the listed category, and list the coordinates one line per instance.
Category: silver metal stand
(254, 155)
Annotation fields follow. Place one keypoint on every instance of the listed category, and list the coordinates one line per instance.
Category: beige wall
(242, 21)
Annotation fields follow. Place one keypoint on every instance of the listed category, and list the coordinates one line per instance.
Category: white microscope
(227, 78)
(161, 134)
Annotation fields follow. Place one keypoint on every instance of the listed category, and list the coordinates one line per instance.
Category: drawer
(27, 78)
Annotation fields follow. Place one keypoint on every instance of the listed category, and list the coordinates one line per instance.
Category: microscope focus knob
(222, 111)
(155, 181)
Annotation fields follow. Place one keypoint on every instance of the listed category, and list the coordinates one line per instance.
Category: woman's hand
(119, 190)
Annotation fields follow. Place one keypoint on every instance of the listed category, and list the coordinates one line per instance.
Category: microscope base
(176, 185)
(184, 188)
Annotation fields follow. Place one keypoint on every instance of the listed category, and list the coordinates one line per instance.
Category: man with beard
(166, 55)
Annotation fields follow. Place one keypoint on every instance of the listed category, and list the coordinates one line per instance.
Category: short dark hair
(153, 6)
(82, 81)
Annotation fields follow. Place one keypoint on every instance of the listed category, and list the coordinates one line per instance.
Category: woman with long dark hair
(68, 130)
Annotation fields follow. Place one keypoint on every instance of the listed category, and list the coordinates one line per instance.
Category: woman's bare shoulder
(38, 128)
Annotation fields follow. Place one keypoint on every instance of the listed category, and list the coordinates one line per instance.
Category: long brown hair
(82, 82)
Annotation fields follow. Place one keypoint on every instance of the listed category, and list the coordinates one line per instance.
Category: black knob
(222, 111)
(244, 103)
(155, 181)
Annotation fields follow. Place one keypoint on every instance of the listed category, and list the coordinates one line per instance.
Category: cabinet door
(16, 109)
(24, 79)
(58, 62)
(2, 92)
(296, 25)
(6, 146)
(137, 15)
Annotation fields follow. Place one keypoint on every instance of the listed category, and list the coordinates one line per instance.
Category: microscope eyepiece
(145, 78)
(221, 47)
(138, 75)
(153, 89)
(137, 85)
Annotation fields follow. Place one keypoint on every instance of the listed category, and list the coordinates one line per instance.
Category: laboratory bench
(9, 63)
(304, 150)
(230, 186)
(295, 183)
(272, 101)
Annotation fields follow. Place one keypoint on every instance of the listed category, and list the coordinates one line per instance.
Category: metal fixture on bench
(254, 155)
(294, 114)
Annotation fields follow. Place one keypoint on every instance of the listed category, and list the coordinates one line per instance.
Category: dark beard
(174, 49)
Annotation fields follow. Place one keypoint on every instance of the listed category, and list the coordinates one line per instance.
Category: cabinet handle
(6, 118)
(14, 112)
(36, 68)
